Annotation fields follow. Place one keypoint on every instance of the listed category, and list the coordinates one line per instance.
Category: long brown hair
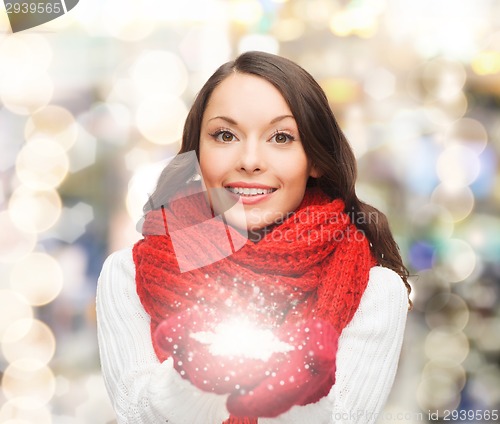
(324, 143)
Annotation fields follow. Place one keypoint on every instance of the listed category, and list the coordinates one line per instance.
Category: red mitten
(194, 361)
(303, 376)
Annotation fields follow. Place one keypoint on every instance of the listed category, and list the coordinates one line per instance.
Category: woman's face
(250, 149)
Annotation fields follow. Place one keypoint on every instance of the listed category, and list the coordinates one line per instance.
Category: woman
(283, 245)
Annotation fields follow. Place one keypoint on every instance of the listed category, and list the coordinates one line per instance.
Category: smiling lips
(250, 193)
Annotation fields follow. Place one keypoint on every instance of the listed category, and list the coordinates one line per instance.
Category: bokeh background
(91, 105)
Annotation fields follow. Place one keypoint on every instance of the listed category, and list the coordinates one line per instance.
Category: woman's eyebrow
(280, 118)
(233, 122)
(224, 118)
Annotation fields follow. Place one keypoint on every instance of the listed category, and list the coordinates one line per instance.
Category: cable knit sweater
(145, 391)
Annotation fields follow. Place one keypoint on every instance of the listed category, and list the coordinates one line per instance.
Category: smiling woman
(296, 310)
(250, 145)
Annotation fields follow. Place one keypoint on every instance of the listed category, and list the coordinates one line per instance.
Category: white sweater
(145, 391)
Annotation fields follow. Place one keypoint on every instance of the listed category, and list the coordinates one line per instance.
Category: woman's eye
(224, 136)
(282, 138)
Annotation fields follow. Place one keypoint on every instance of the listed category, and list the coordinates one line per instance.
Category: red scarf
(315, 263)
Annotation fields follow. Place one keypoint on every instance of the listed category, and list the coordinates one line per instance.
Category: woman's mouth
(245, 191)
(248, 194)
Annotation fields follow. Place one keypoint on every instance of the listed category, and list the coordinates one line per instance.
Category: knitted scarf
(314, 263)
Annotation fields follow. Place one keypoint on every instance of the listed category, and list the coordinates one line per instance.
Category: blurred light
(14, 242)
(447, 345)
(38, 343)
(109, 122)
(380, 83)
(341, 90)
(122, 91)
(34, 211)
(4, 24)
(426, 284)
(457, 166)
(487, 335)
(445, 112)
(421, 254)
(264, 43)
(354, 21)
(126, 20)
(63, 386)
(28, 383)
(74, 263)
(204, 48)
(38, 277)
(486, 63)
(159, 73)
(495, 196)
(482, 231)
(416, 156)
(484, 387)
(372, 196)
(96, 408)
(469, 132)
(22, 55)
(73, 222)
(25, 95)
(161, 119)
(141, 186)
(11, 136)
(288, 29)
(485, 183)
(25, 85)
(440, 387)
(443, 79)
(83, 152)
(11, 413)
(406, 127)
(455, 260)
(54, 122)
(137, 157)
(13, 307)
(474, 360)
(456, 372)
(438, 393)
(447, 309)
(316, 13)
(432, 220)
(459, 201)
(481, 297)
(355, 128)
(193, 11)
(42, 164)
(440, 33)
(245, 12)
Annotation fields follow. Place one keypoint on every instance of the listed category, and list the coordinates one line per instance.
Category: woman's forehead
(243, 96)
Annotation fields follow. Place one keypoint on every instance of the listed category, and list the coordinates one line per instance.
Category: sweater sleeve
(142, 390)
(367, 358)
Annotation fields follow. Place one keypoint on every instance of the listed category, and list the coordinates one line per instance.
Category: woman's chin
(254, 231)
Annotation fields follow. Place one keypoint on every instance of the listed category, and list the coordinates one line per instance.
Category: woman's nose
(251, 157)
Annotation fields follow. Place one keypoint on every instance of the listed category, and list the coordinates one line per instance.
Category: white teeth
(249, 191)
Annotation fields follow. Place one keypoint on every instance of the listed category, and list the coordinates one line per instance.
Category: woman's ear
(314, 172)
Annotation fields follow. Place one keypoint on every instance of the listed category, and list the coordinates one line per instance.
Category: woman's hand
(256, 387)
(302, 376)
(195, 362)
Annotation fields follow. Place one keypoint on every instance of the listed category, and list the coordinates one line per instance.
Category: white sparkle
(240, 338)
